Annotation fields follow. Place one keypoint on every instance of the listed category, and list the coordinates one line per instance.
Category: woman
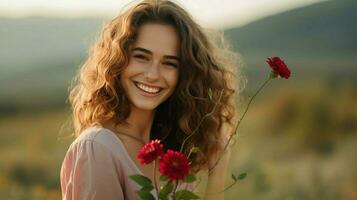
(153, 74)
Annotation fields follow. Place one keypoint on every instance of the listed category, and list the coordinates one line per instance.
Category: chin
(145, 106)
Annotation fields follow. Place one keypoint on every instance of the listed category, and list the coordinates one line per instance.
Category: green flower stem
(176, 184)
(155, 182)
(189, 154)
(238, 123)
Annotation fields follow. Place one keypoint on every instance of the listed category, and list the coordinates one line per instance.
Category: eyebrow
(149, 52)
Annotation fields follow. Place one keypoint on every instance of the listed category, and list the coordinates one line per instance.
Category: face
(152, 73)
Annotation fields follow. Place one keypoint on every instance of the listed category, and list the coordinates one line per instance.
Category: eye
(141, 57)
(169, 63)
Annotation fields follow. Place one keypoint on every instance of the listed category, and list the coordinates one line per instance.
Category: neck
(139, 123)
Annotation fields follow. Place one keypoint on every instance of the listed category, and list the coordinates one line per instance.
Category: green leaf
(163, 178)
(166, 190)
(185, 195)
(145, 195)
(234, 177)
(242, 176)
(147, 188)
(164, 198)
(141, 180)
(189, 178)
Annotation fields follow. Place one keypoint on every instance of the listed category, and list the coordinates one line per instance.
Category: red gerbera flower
(174, 165)
(150, 152)
(279, 67)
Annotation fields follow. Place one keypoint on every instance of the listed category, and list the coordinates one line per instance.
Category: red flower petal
(279, 67)
(150, 152)
(174, 165)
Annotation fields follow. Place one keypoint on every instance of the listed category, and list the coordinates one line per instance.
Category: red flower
(150, 152)
(174, 165)
(279, 67)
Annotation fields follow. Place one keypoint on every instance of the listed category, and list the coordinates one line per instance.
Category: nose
(153, 71)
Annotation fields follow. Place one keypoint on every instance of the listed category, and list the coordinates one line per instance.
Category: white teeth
(147, 88)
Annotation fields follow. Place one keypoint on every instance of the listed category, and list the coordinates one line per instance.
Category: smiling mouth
(147, 89)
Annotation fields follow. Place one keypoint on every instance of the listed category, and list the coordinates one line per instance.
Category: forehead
(158, 38)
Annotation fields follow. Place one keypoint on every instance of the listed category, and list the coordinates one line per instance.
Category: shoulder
(91, 168)
(96, 144)
(98, 136)
(94, 150)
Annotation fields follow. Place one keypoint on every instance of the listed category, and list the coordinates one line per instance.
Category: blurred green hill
(39, 56)
(321, 30)
(317, 41)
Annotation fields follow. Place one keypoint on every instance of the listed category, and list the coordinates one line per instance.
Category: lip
(143, 93)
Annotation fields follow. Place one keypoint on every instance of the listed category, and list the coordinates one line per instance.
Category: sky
(209, 13)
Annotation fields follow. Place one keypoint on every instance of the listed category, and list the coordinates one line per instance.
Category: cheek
(126, 74)
(131, 69)
(174, 78)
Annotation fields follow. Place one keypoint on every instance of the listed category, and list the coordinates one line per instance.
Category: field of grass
(298, 142)
(32, 149)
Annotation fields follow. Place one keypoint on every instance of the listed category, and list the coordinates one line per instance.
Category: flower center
(174, 164)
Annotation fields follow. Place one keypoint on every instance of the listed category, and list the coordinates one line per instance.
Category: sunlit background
(298, 140)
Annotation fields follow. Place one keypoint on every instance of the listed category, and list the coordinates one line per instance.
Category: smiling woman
(153, 74)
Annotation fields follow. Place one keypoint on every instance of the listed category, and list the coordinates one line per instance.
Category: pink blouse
(97, 166)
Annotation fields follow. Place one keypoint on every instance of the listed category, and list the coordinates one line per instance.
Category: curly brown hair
(208, 78)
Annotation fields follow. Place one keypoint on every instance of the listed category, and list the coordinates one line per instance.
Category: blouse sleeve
(89, 171)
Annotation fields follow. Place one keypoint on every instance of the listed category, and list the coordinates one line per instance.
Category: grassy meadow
(31, 153)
